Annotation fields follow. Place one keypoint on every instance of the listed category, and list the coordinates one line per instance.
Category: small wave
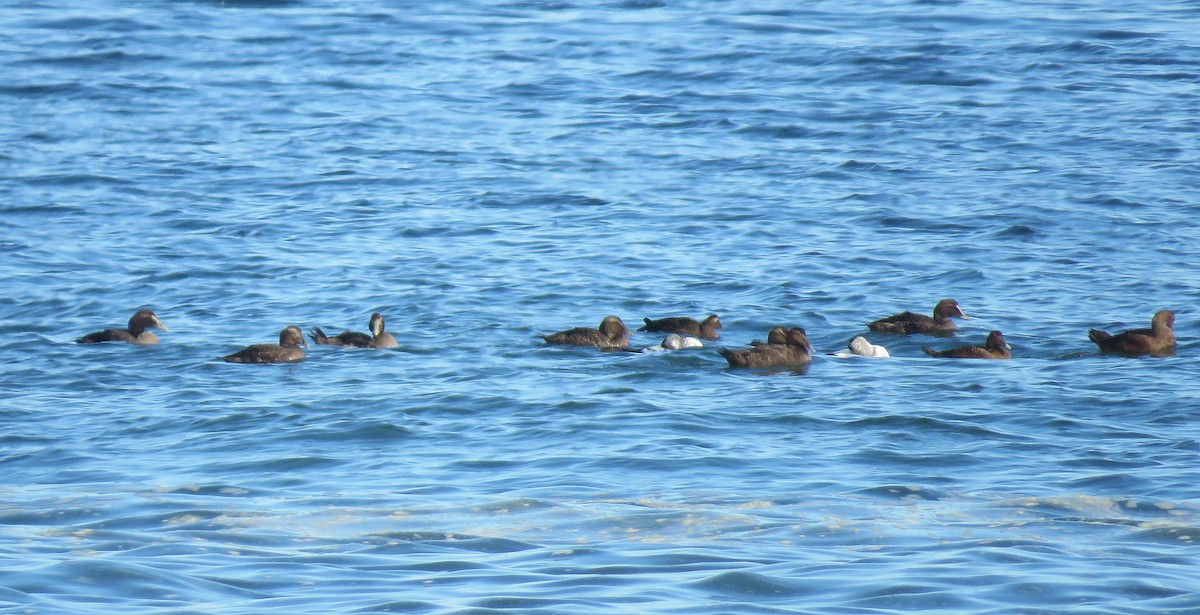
(753, 585)
(1121, 35)
(946, 78)
(465, 542)
(114, 581)
(903, 492)
(400, 606)
(98, 60)
(276, 465)
(40, 90)
(923, 224)
(77, 179)
(1167, 534)
(638, 5)
(775, 132)
(352, 430)
(210, 490)
(254, 4)
(1019, 231)
(86, 24)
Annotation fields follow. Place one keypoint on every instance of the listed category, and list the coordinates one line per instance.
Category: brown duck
(795, 352)
(136, 332)
(1158, 340)
(994, 348)
(610, 334)
(286, 351)
(910, 322)
(706, 329)
(377, 339)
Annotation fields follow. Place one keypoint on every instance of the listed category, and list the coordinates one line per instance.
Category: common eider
(136, 332)
(674, 341)
(377, 339)
(706, 329)
(796, 352)
(861, 347)
(993, 348)
(1158, 340)
(910, 322)
(610, 334)
(286, 351)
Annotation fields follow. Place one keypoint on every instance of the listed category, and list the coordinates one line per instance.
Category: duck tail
(318, 336)
(1097, 335)
(931, 352)
(645, 326)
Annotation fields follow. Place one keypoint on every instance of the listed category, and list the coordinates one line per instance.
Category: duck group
(789, 347)
(785, 346)
(288, 350)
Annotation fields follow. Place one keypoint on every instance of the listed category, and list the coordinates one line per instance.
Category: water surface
(482, 173)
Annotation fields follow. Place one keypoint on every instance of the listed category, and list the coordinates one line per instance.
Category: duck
(134, 333)
(910, 322)
(861, 347)
(795, 352)
(286, 351)
(674, 341)
(610, 334)
(993, 348)
(377, 339)
(705, 329)
(1158, 340)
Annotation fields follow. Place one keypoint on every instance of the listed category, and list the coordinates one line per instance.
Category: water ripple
(483, 174)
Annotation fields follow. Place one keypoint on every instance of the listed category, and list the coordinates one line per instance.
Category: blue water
(485, 172)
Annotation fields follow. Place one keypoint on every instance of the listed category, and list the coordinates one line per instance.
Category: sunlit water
(482, 173)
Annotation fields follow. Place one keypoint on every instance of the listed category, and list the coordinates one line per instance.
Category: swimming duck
(674, 341)
(795, 352)
(1158, 340)
(909, 322)
(610, 334)
(286, 351)
(994, 348)
(860, 347)
(378, 338)
(706, 329)
(136, 332)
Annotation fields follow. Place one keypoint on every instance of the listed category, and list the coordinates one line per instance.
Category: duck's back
(109, 335)
(675, 324)
(908, 322)
(766, 355)
(968, 352)
(580, 336)
(266, 353)
(1134, 342)
(1158, 340)
(356, 339)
